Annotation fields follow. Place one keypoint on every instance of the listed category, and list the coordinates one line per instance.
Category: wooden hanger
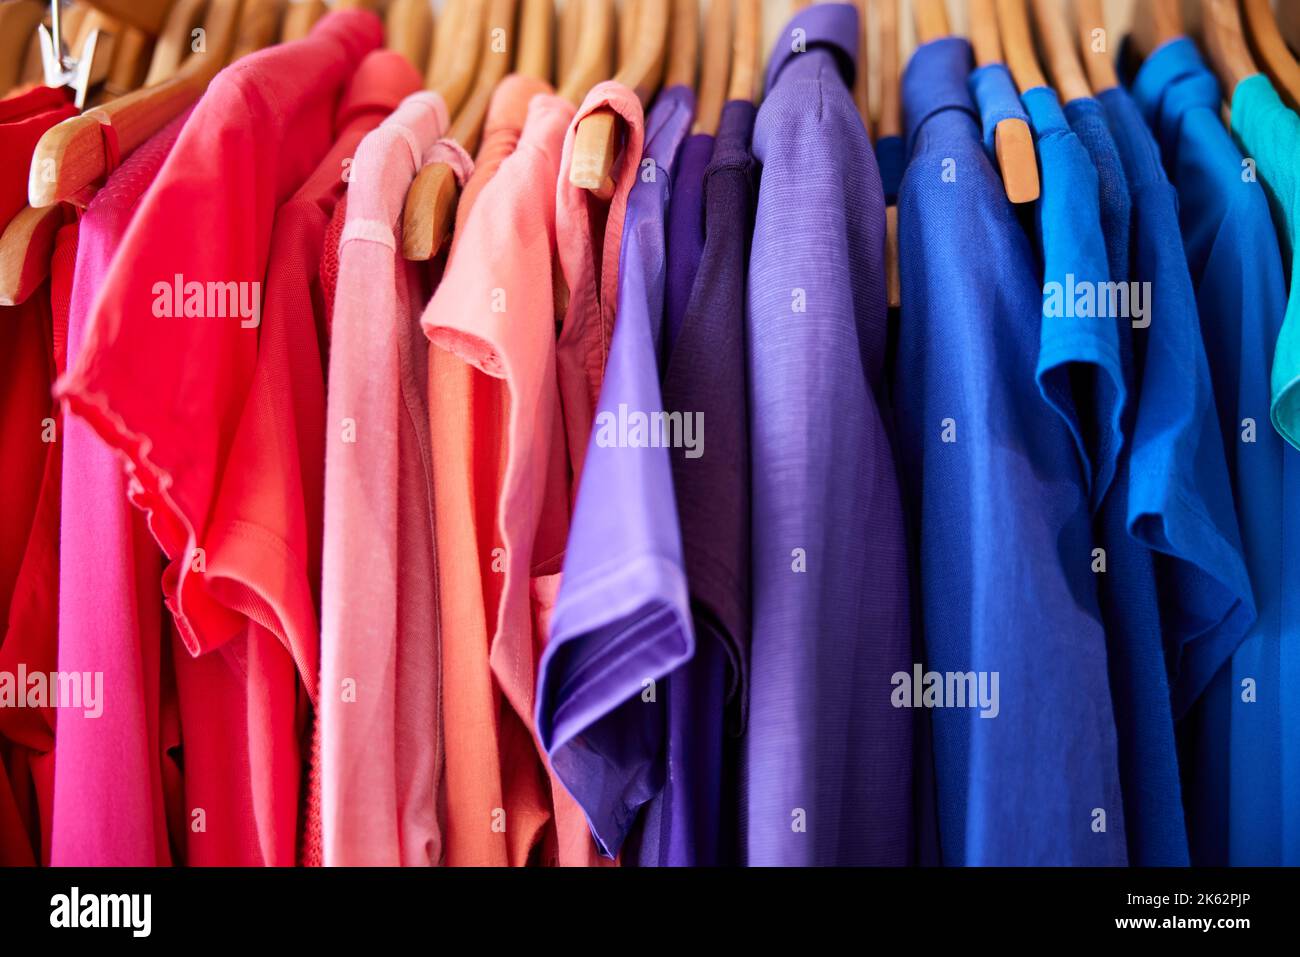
(73, 151)
(146, 15)
(300, 18)
(889, 125)
(1155, 23)
(593, 50)
(715, 68)
(445, 36)
(626, 25)
(173, 45)
(430, 209)
(1288, 18)
(1271, 50)
(408, 30)
(462, 35)
(1013, 141)
(25, 250)
(683, 45)
(567, 44)
(1096, 62)
(259, 26)
(1063, 62)
(536, 40)
(131, 56)
(595, 140)
(891, 104)
(746, 52)
(18, 20)
(1018, 43)
(931, 20)
(1226, 42)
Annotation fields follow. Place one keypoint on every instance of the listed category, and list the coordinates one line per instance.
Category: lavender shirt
(622, 619)
(827, 777)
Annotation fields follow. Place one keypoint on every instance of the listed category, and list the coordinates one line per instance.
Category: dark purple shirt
(693, 821)
(686, 231)
(827, 776)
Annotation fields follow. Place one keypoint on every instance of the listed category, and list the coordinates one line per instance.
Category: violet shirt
(827, 763)
(622, 618)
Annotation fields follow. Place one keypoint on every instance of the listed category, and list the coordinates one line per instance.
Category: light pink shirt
(379, 694)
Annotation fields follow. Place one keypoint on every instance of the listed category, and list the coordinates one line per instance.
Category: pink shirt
(380, 711)
(109, 810)
(165, 375)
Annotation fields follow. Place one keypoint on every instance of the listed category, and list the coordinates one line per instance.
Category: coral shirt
(590, 239)
(502, 487)
(164, 376)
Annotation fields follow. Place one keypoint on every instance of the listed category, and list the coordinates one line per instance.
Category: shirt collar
(829, 26)
(383, 79)
(934, 81)
(1175, 61)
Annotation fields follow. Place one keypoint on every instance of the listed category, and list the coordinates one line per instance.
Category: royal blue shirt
(1080, 372)
(1233, 739)
(997, 508)
(1139, 686)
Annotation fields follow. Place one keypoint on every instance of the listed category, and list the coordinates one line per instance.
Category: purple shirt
(622, 619)
(827, 775)
(692, 822)
(686, 230)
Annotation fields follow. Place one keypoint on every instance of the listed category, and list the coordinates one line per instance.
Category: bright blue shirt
(1148, 760)
(997, 508)
(1241, 801)
(1080, 372)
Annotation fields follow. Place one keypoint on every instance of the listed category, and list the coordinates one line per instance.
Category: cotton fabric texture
(827, 765)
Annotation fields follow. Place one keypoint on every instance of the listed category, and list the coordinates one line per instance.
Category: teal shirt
(1270, 134)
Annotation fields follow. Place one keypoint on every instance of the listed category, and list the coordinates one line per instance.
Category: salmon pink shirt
(502, 448)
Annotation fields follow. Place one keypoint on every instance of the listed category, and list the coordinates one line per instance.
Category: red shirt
(23, 121)
(166, 376)
(31, 351)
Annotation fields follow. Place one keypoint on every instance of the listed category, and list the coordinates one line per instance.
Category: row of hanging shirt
(550, 613)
